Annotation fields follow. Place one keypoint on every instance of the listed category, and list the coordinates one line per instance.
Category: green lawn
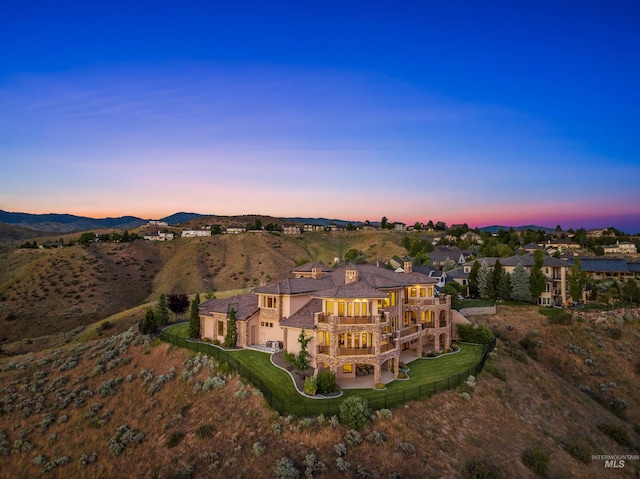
(427, 376)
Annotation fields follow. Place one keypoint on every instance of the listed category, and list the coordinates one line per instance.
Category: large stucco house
(556, 272)
(360, 317)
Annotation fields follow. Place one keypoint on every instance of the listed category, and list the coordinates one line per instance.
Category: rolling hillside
(97, 407)
(47, 291)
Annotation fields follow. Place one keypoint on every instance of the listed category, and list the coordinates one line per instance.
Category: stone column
(377, 374)
(436, 342)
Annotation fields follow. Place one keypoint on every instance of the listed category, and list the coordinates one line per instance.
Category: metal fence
(313, 407)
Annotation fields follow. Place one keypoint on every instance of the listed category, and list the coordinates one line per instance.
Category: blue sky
(495, 113)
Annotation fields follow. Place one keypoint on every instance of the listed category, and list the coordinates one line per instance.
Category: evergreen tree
(231, 338)
(504, 286)
(162, 311)
(485, 285)
(383, 223)
(473, 280)
(148, 325)
(630, 291)
(577, 280)
(496, 278)
(537, 279)
(194, 318)
(520, 285)
(304, 358)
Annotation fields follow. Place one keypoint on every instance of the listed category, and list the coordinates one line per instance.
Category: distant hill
(496, 228)
(64, 223)
(181, 217)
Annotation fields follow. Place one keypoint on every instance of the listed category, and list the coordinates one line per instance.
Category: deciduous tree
(178, 303)
(537, 279)
(577, 280)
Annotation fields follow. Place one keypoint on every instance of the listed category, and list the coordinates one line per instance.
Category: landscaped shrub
(537, 460)
(326, 382)
(354, 412)
(311, 385)
(617, 433)
(475, 333)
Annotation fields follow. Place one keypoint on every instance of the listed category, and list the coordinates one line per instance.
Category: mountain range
(66, 223)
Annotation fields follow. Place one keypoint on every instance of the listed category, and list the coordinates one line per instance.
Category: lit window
(347, 368)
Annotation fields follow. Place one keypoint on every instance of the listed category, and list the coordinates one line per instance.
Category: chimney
(408, 267)
(351, 276)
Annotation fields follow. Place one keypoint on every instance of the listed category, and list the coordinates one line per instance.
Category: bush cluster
(537, 460)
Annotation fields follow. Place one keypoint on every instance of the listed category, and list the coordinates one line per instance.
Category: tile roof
(610, 265)
(308, 267)
(245, 306)
(304, 317)
(357, 289)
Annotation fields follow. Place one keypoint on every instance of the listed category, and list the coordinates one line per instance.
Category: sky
(485, 113)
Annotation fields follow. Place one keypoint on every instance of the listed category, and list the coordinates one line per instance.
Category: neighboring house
(292, 230)
(556, 271)
(608, 268)
(621, 247)
(560, 244)
(599, 233)
(234, 230)
(398, 226)
(157, 223)
(459, 276)
(471, 236)
(441, 254)
(531, 247)
(434, 273)
(196, 233)
(159, 236)
(313, 227)
(360, 317)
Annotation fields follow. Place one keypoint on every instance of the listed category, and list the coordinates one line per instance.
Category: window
(413, 292)
(270, 302)
(423, 292)
(394, 298)
(329, 307)
(261, 323)
(340, 308)
(349, 309)
(347, 368)
(220, 328)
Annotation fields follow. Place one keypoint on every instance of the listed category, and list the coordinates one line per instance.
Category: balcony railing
(427, 301)
(323, 350)
(347, 320)
(387, 347)
(408, 331)
(355, 351)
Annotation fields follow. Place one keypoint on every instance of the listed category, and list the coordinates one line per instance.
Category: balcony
(387, 347)
(323, 350)
(409, 331)
(323, 318)
(355, 351)
(427, 301)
